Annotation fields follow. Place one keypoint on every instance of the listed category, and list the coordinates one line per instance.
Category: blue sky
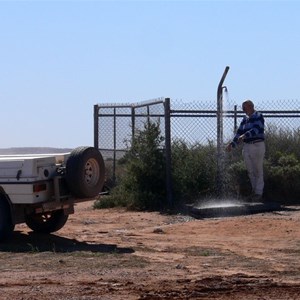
(59, 58)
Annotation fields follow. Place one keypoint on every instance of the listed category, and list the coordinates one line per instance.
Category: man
(251, 133)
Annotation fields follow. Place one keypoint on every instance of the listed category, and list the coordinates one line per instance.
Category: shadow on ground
(36, 242)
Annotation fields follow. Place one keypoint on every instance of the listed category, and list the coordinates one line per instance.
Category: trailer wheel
(85, 172)
(7, 225)
(46, 222)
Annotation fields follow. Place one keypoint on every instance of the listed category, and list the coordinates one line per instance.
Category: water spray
(228, 207)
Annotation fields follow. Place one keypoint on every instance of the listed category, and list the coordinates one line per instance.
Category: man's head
(248, 107)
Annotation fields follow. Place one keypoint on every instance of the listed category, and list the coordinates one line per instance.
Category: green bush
(193, 170)
(281, 167)
(141, 173)
(281, 142)
(142, 185)
(237, 181)
(282, 179)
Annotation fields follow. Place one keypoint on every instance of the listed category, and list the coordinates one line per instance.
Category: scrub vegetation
(141, 173)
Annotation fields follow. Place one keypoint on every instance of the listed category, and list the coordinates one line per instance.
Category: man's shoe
(250, 197)
(257, 198)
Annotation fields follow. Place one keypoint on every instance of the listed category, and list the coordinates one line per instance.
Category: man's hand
(228, 147)
(241, 138)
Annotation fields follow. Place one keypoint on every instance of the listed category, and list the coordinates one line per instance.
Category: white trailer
(41, 189)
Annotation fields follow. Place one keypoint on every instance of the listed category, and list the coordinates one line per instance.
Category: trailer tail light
(39, 187)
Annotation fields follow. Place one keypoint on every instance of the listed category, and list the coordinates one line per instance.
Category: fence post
(96, 126)
(168, 151)
(115, 147)
(220, 150)
(148, 114)
(235, 119)
(132, 123)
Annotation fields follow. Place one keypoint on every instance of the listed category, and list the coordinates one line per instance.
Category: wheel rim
(42, 218)
(92, 172)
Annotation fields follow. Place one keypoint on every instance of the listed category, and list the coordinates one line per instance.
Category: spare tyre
(85, 172)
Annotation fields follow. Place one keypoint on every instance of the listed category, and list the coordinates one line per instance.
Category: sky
(60, 58)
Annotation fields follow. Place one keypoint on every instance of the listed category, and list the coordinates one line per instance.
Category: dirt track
(114, 254)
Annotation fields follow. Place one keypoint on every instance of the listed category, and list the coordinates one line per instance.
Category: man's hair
(248, 102)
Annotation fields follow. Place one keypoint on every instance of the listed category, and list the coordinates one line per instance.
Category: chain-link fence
(191, 122)
(196, 122)
(115, 124)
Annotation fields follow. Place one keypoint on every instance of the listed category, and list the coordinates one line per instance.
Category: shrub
(282, 141)
(142, 185)
(281, 167)
(237, 180)
(141, 173)
(193, 170)
(282, 179)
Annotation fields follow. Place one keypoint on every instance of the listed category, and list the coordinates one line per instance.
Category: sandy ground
(115, 254)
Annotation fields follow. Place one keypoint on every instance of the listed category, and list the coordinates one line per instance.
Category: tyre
(46, 222)
(6, 223)
(85, 172)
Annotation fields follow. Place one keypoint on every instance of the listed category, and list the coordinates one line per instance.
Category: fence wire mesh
(196, 122)
(115, 124)
(191, 122)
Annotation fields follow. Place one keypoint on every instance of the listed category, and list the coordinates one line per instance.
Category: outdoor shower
(220, 142)
(224, 205)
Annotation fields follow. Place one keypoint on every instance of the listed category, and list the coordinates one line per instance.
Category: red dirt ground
(116, 254)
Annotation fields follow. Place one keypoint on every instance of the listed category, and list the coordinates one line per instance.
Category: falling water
(222, 204)
(221, 200)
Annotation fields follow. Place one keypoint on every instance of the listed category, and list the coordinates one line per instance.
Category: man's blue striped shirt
(252, 127)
